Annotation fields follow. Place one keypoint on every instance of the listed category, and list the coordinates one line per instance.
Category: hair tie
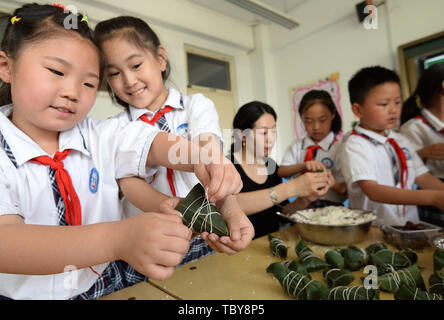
(61, 7)
(418, 101)
(84, 18)
(14, 19)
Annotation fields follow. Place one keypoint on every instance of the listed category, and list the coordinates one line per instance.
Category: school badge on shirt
(182, 130)
(327, 162)
(94, 180)
(407, 153)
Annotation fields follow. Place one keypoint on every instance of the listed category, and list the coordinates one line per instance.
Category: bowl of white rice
(332, 225)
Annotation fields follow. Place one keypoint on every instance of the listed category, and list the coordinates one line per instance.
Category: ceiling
(285, 7)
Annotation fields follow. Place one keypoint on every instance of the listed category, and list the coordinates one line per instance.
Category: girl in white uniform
(59, 209)
(318, 149)
(136, 69)
(422, 122)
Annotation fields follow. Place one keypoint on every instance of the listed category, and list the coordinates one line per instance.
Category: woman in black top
(254, 137)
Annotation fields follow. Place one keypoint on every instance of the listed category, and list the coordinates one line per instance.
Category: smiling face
(317, 121)
(135, 74)
(53, 84)
(381, 108)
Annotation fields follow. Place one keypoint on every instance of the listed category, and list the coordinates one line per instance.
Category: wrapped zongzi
(392, 281)
(409, 293)
(353, 293)
(438, 260)
(298, 285)
(293, 265)
(334, 259)
(436, 282)
(375, 247)
(309, 260)
(199, 215)
(277, 247)
(355, 258)
(385, 258)
(338, 277)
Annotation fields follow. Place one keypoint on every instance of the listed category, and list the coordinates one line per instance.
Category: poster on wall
(329, 83)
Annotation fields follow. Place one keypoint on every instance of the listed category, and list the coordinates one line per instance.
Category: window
(208, 72)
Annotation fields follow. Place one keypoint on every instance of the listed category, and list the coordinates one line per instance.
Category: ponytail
(427, 92)
(410, 108)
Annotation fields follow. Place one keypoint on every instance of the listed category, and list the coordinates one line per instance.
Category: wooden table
(140, 291)
(243, 276)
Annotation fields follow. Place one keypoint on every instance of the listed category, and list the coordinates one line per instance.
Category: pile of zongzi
(396, 272)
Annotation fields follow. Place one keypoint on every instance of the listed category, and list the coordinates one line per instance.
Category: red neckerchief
(72, 203)
(311, 150)
(420, 117)
(170, 172)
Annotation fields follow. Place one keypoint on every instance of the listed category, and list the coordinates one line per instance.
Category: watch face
(273, 196)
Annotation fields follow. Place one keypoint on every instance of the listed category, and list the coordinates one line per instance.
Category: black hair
(246, 117)
(366, 79)
(137, 32)
(426, 94)
(323, 97)
(35, 22)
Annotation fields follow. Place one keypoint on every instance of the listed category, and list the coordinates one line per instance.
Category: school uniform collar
(374, 136)
(24, 148)
(174, 100)
(437, 124)
(324, 143)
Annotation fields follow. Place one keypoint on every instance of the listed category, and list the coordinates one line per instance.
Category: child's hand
(220, 176)
(314, 166)
(434, 151)
(240, 227)
(331, 179)
(153, 243)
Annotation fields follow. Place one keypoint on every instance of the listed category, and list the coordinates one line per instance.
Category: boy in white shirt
(380, 166)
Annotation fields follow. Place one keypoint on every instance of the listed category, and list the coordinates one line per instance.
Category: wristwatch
(273, 196)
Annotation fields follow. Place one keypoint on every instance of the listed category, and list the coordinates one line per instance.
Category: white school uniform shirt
(101, 152)
(363, 159)
(328, 155)
(421, 135)
(190, 117)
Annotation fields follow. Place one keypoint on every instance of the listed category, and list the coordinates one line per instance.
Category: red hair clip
(61, 6)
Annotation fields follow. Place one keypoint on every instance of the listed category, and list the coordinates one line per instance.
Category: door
(211, 74)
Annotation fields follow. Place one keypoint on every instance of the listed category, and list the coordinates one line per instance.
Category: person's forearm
(289, 171)
(141, 194)
(300, 203)
(428, 181)
(173, 152)
(42, 250)
(340, 188)
(392, 195)
(256, 201)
